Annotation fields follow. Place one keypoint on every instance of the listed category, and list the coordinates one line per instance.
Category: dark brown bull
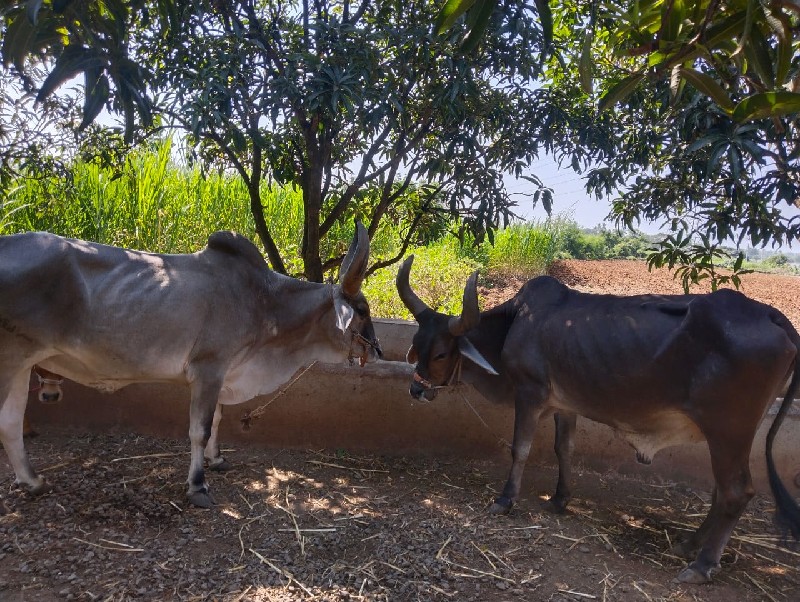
(661, 370)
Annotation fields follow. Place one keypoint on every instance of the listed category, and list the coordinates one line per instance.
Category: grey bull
(219, 321)
(661, 370)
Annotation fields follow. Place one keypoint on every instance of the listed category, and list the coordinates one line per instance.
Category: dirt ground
(331, 525)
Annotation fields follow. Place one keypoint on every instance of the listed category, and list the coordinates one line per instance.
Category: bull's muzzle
(370, 349)
(421, 389)
(50, 396)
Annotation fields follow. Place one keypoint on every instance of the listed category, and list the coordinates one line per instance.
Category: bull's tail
(787, 511)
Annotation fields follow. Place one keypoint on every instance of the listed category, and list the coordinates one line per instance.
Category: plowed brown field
(621, 277)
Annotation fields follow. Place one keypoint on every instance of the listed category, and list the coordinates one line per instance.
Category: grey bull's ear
(354, 264)
(344, 313)
(469, 351)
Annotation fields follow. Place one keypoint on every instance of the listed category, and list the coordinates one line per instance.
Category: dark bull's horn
(470, 314)
(409, 298)
(354, 265)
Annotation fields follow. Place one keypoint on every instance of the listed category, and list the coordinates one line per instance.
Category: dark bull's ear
(354, 264)
(468, 350)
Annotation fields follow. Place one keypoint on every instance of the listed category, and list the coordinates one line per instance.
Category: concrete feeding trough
(369, 410)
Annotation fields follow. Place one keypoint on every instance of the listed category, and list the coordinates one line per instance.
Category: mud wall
(369, 410)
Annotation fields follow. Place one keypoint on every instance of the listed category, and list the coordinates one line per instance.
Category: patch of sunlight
(255, 486)
(774, 571)
(231, 513)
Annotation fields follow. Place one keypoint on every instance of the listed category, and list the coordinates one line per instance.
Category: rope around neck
(256, 413)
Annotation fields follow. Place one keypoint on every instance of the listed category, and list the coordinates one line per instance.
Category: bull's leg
(527, 410)
(689, 545)
(734, 489)
(27, 429)
(215, 460)
(205, 393)
(564, 445)
(12, 413)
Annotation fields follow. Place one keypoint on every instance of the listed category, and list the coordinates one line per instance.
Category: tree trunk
(312, 176)
(257, 209)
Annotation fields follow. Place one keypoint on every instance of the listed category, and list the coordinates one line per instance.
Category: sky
(570, 200)
(569, 197)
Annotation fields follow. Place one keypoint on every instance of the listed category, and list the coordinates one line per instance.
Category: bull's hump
(232, 243)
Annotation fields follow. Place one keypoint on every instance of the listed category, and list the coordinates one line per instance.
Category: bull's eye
(439, 357)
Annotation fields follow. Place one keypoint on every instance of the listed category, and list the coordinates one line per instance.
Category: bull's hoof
(30, 434)
(39, 488)
(42, 488)
(201, 499)
(501, 505)
(556, 505)
(219, 465)
(692, 575)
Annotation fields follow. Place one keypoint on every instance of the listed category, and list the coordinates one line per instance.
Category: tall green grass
(437, 276)
(150, 204)
(153, 204)
(527, 249)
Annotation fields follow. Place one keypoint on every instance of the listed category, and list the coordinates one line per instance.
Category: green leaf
(782, 28)
(546, 19)
(676, 85)
(672, 15)
(96, 92)
(17, 41)
(620, 91)
(756, 50)
(478, 21)
(72, 61)
(585, 65)
(767, 104)
(450, 12)
(708, 86)
(702, 143)
(725, 30)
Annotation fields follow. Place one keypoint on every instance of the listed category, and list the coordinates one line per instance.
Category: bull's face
(353, 320)
(440, 342)
(435, 352)
(49, 385)
(350, 306)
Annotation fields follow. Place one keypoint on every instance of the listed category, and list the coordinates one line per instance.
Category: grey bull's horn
(354, 265)
(409, 298)
(470, 314)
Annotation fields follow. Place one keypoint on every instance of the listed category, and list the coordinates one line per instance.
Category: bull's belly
(107, 374)
(648, 429)
(666, 430)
